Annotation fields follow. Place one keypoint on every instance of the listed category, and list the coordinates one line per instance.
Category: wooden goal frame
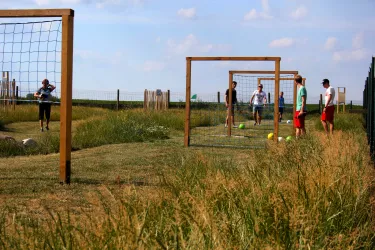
(189, 60)
(276, 99)
(67, 16)
(341, 99)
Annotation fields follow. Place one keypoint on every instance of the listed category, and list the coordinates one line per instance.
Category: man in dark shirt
(44, 94)
(234, 101)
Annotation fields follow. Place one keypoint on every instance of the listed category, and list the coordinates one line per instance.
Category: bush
(121, 128)
(344, 122)
(46, 144)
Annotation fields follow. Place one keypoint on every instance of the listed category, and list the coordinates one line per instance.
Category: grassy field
(135, 186)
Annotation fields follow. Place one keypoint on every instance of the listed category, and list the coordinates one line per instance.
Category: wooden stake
(66, 98)
(276, 102)
(187, 105)
(229, 132)
(14, 94)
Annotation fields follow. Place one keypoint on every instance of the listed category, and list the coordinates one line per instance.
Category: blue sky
(134, 45)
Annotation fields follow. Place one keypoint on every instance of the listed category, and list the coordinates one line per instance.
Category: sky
(134, 45)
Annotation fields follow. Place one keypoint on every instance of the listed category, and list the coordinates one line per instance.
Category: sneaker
(225, 126)
(255, 123)
(234, 126)
(47, 128)
(41, 130)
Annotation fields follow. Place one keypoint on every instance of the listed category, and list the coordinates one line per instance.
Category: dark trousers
(44, 108)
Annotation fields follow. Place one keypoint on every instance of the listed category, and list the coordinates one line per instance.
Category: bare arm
(329, 100)
(251, 100)
(52, 87)
(303, 104)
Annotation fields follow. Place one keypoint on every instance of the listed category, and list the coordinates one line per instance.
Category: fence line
(368, 104)
(119, 99)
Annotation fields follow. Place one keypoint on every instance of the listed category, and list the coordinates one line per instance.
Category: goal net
(209, 126)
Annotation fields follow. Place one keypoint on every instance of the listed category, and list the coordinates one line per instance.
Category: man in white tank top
(260, 100)
(329, 107)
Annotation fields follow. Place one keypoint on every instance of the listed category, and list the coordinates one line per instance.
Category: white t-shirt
(259, 97)
(330, 91)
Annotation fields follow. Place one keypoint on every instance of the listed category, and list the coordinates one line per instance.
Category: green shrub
(46, 144)
(344, 122)
(118, 128)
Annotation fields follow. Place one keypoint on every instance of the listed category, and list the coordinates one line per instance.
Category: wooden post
(338, 100)
(294, 98)
(168, 99)
(187, 105)
(351, 105)
(17, 93)
(118, 100)
(144, 99)
(321, 104)
(66, 97)
(345, 98)
(14, 94)
(276, 102)
(269, 97)
(7, 93)
(5, 84)
(218, 97)
(229, 132)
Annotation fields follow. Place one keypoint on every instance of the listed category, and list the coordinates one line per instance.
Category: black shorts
(44, 108)
(232, 108)
(281, 110)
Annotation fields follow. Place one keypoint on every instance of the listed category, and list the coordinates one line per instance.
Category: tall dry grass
(313, 193)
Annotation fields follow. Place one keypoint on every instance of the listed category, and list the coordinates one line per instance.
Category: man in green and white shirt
(301, 110)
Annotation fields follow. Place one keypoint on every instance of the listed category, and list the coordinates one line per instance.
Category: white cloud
(50, 2)
(330, 43)
(358, 40)
(299, 13)
(191, 45)
(265, 5)
(98, 3)
(187, 13)
(282, 43)
(158, 39)
(254, 14)
(153, 66)
(351, 55)
(98, 57)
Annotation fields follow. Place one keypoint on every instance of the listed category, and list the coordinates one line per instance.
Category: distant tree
(30, 96)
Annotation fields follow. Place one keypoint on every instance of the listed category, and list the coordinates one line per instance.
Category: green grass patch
(344, 122)
(24, 113)
(45, 144)
(123, 127)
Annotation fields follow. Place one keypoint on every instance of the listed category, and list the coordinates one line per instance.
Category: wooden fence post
(118, 100)
(14, 94)
(145, 100)
(168, 98)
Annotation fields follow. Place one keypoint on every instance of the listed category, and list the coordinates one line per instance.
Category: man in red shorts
(329, 107)
(301, 110)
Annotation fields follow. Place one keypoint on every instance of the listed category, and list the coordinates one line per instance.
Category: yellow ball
(270, 136)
